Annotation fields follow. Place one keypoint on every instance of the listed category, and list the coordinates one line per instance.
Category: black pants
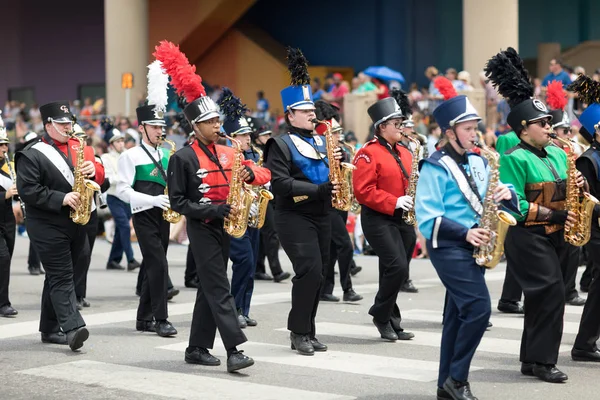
(569, 267)
(33, 260)
(269, 244)
(153, 237)
(190, 267)
(340, 251)
(589, 327)
(306, 240)
(511, 290)
(58, 247)
(142, 275)
(393, 241)
(215, 306)
(586, 277)
(7, 245)
(82, 266)
(535, 261)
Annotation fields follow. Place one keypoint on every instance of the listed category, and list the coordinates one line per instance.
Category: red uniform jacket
(88, 153)
(378, 180)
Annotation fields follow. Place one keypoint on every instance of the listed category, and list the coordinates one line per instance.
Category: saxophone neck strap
(198, 145)
(66, 157)
(389, 148)
(157, 164)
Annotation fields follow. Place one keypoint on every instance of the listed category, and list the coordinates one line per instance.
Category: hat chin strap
(60, 131)
(148, 137)
(457, 139)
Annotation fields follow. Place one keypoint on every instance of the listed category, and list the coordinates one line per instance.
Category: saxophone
(169, 215)
(495, 221)
(239, 198)
(85, 187)
(409, 216)
(13, 177)
(581, 204)
(355, 207)
(338, 172)
(261, 197)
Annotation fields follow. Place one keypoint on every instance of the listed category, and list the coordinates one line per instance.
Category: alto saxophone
(261, 197)
(409, 216)
(169, 215)
(85, 187)
(13, 177)
(239, 198)
(495, 221)
(580, 203)
(339, 172)
(355, 207)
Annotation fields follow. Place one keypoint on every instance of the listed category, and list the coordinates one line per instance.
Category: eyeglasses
(542, 122)
(215, 121)
(397, 125)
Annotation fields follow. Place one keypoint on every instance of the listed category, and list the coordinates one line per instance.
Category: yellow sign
(127, 80)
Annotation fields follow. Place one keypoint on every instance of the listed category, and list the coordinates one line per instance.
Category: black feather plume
(325, 111)
(508, 74)
(231, 106)
(402, 99)
(587, 89)
(298, 67)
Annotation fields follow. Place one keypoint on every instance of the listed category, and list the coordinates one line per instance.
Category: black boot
(302, 344)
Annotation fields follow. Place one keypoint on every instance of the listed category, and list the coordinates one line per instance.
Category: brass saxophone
(338, 172)
(495, 221)
(13, 177)
(239, 198)
(355, 207)
(169, 215)
(581, 203)
(85, 187)
(409, 216)
(261, 197)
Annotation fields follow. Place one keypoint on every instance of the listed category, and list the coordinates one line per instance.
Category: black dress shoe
(8, 311)
(242, 321)
(33, 270)
(443, 395)
(199, 355)
(237, 361)
(318, 346)
(510, 307)
(172, 293)
(584, 355)
(250, 321)
(281, 277)
(194, 283)
(114, 266)
(355, 270)
(458, 390)
(549, 373)
(527, 368)
(302, 344)
(165, 328)
(83, 302)
(351, 295)
(76, 337)
(576, 301)
(385, 330)
(329, 297)
(79, 305)
(133, 264)
(490, 325)
(144, 326)
(403, 335)
(262, 276)
(408, 287)
(54, 337)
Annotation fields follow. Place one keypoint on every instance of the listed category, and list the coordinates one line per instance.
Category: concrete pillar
(546, 52)
(126, 47)
(488, 27)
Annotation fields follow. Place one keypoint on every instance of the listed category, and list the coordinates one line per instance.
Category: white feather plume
(158, 81)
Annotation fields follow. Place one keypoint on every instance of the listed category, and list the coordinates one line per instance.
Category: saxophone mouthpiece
(314, 121)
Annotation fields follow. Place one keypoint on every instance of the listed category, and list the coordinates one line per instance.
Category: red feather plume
(183, 75)
(556, 96)
(445, 87)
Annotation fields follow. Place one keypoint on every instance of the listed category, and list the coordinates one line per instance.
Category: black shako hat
(57, 111)
(384, 110)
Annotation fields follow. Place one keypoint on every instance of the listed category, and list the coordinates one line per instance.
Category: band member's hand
(161, 201)
(245, 174)
(88, 169)
(254, 209)
(579, 180)
(478, 236)
(338, 154)
(336, 188)
(72, 200)
(502, 192)
(571, 220)
(11, 192)
(324, 191)
(404, 202)
(223, 210)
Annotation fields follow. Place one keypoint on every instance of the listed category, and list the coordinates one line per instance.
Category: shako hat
(455, 108)
(297, 96)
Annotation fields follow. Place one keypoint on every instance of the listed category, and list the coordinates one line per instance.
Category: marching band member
(536, 245)
(200, 176)
(585, 347)
(142, 180)
(7, 223)
(452, 183)
(45, 179)
(300, 167)
(383, 171)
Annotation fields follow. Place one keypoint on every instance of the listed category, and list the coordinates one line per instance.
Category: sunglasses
(542, 122)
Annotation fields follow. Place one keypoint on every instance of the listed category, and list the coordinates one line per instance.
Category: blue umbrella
(384, 73)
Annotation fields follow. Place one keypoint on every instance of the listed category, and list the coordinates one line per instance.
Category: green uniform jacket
(506, 141)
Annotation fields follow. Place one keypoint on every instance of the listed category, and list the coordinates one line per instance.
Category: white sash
(5, 181)
(306, 149)
(56, 159)
(463, 185)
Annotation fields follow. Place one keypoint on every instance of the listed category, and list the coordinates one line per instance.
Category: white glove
(254, 209)
(161, 201)
(404, 202)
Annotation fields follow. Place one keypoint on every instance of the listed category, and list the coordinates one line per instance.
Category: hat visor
(4, 141)
(466, 118)
(155, 122)
(539, 117)
(242, 131)
(303, 106)
(206, 117)
(61, 120)
(265, 133)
